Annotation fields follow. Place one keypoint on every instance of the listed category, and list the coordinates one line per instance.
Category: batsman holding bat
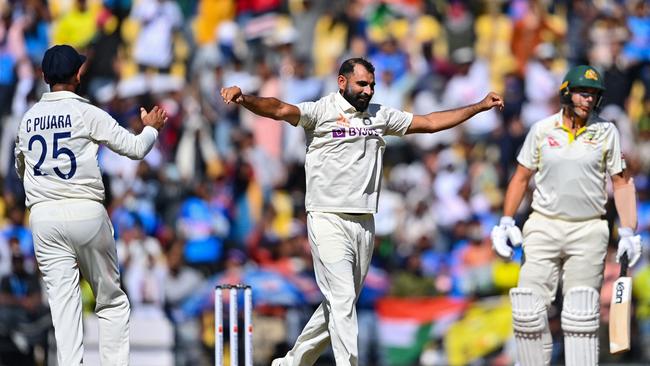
(570, 155)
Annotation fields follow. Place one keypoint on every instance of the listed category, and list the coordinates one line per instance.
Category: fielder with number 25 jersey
(59, 138)
(56, 157)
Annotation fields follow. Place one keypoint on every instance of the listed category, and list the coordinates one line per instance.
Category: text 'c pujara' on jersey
(48, 122)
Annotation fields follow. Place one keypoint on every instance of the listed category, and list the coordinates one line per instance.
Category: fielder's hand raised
(490, 101)
(500, 235)
(232, 94)
(155, 118)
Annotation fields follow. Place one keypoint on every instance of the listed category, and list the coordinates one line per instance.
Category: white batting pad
(580, 321)
(530, 324)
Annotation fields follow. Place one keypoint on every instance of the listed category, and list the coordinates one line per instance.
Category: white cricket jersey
(571, 173)
(57, 143)
(343, 164)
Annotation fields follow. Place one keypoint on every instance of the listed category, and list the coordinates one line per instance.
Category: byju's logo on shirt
(354, 131)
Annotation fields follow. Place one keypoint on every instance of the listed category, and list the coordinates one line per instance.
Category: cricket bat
(620, 311)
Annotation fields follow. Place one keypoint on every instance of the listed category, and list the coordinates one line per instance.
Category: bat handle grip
(624, 263)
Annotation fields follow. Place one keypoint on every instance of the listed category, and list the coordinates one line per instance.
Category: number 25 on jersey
(56, 152)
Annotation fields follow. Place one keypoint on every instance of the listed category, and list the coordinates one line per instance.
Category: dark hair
(347, 67)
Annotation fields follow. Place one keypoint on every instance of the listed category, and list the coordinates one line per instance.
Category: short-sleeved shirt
(571, 171)
(345, 147)
(57, 144)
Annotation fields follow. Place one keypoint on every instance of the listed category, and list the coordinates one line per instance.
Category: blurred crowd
(220, 198)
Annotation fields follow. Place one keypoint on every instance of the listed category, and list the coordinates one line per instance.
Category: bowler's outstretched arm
(266, 107)
(438, 121)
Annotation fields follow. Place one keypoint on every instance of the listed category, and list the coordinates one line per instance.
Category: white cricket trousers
(341, 247)
(574, 250)
(72, 236)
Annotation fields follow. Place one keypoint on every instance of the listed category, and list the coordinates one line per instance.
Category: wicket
(234, 321)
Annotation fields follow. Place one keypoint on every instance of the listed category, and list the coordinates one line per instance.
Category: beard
(359, 101)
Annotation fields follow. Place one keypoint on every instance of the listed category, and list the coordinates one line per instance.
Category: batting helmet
(582, 76)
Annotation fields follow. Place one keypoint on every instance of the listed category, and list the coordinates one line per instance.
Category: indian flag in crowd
(407, 325)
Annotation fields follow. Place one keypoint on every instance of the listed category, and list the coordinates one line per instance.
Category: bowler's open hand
(492, 100)
(232, 94)
(155, 118)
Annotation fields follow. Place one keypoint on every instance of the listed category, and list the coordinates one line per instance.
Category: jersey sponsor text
(355, 131)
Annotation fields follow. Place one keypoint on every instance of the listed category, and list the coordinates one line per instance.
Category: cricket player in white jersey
(570, 154)
(56, 156)
(345, 145)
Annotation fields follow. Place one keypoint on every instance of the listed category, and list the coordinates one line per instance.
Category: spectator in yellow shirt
(78, 26)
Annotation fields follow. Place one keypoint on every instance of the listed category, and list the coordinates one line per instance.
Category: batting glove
(630, 244)
(500, 235)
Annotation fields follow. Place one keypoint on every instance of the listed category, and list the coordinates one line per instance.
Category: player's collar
(59, 95)
(344, 104)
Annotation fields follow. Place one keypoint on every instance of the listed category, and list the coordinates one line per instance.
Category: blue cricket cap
(60, 63)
